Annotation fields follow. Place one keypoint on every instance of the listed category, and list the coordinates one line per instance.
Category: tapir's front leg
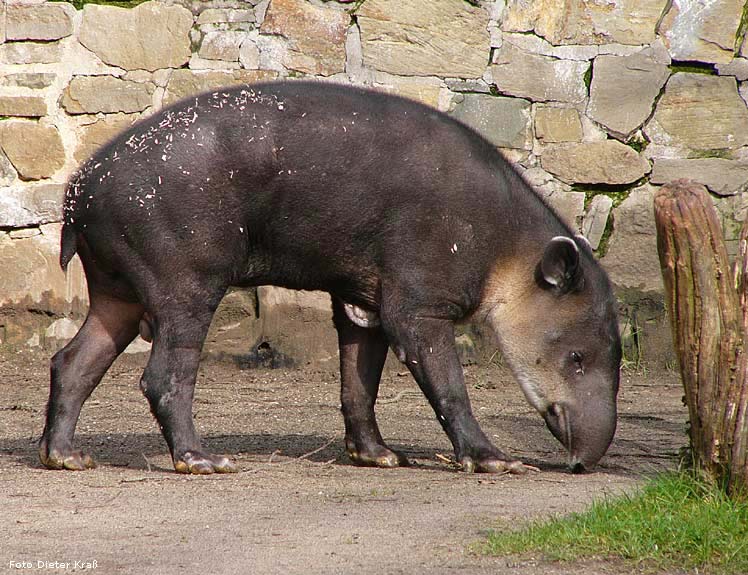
(427, 347)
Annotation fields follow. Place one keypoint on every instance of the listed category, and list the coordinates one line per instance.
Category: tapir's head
(556, 321)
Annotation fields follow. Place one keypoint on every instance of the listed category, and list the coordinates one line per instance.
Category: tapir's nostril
(577, 467)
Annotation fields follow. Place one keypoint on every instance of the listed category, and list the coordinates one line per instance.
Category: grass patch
(674, 521)
(631, 345)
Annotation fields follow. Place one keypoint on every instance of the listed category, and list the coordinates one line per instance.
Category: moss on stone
(119, 3)
(692, 67)
(616, 193)
(741, 31)
(723, 153)
(587, 78)
(638, 143)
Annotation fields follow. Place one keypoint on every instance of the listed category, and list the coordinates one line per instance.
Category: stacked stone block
(597, 103)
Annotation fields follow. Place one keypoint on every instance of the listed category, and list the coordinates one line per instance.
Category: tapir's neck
(508, 285)
(506, 303)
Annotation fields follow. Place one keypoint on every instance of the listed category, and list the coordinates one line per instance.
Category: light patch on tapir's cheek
(536, 364)
(536, 372)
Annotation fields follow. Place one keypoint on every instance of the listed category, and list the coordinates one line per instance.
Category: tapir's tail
(68, 244)
(69, 236)
(70, 221)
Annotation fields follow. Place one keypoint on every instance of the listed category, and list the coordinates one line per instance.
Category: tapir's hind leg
(169, 383)
(77, 369)
(362, 355)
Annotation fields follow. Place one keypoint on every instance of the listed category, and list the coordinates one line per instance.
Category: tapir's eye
(578, 358)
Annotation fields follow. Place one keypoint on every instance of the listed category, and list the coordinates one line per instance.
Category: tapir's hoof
(196, 463)
(73, 460)
(379, 457)
(469, 465)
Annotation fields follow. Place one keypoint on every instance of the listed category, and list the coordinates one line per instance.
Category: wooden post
(738, 396)
(707, 305)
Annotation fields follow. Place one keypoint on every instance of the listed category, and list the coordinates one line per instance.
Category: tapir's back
(272, 168)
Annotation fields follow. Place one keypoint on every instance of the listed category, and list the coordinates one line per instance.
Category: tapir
(409, 219)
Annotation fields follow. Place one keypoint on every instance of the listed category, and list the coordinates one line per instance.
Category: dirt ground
(298, 505)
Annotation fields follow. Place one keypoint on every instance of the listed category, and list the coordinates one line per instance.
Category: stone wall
(597, 103)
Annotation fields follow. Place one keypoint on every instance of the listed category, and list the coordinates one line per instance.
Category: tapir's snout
(586, 433)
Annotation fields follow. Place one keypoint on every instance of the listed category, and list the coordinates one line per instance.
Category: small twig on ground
(99, 506)
(306, 455)
(398, 396)
(148, 463)
(490, 359)
(254, 470)
(445, 459)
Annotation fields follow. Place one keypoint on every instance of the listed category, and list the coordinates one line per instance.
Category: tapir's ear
(584, 241)
(560, 265)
